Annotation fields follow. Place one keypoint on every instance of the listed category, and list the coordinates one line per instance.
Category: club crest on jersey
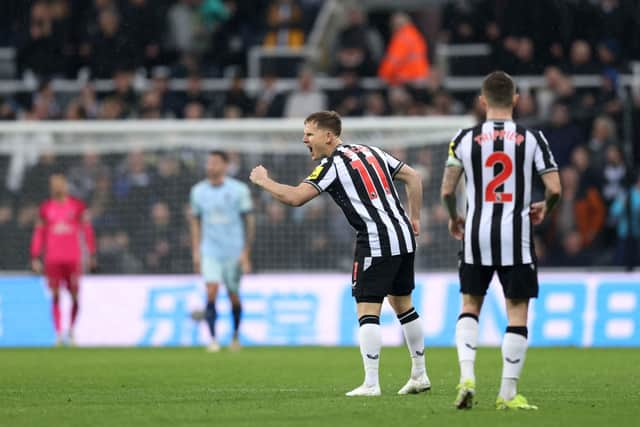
(316, 172)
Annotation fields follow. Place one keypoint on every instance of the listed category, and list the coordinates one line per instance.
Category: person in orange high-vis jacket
(406, 59)
(591, 214)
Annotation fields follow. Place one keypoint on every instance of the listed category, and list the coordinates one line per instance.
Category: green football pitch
(304, 387)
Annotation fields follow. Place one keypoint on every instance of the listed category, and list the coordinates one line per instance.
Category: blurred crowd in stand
(138, 201)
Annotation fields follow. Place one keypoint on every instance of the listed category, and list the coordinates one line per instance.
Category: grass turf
(303, 387)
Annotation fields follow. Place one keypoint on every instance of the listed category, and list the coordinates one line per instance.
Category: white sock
(514, 350)
(370, 338)
(466, 343)
(414, 337)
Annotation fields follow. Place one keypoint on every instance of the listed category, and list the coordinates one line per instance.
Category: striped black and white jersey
(360, 180)
(499, 159)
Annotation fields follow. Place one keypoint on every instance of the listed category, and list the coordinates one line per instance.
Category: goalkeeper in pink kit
(63, 223)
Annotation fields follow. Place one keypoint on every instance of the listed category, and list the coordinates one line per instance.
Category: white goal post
(244, 135)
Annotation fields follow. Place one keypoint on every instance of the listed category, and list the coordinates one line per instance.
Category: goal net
(135, 176)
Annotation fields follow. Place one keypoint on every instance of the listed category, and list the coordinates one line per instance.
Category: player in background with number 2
(498, 158)
(360, 180)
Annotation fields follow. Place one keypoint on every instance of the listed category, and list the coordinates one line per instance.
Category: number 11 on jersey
(358, 165)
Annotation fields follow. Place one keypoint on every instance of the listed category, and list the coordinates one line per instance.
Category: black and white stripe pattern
(360, 179)
(367, 319)
(499, 159)
(408, 316)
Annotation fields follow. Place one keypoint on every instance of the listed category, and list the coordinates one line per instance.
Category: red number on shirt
(383, 178)
(507, 169)
(366, 178)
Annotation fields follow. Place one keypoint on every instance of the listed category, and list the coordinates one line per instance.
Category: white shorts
(226, 272)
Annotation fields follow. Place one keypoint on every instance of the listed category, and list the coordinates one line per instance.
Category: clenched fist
(258, 175)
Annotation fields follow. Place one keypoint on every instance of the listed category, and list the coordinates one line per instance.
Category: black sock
(236, 310)
(210, 316)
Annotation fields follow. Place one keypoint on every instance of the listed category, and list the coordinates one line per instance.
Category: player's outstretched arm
(287, 194)
(413, 184)
(450, 181)
(552, 194)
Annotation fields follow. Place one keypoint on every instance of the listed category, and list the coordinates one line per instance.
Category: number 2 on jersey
(491, 195)
(358, 165)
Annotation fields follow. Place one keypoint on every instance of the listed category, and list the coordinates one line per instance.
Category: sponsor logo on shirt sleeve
(316, 172)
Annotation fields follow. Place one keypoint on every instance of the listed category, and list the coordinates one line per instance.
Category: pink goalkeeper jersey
(62, 225)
